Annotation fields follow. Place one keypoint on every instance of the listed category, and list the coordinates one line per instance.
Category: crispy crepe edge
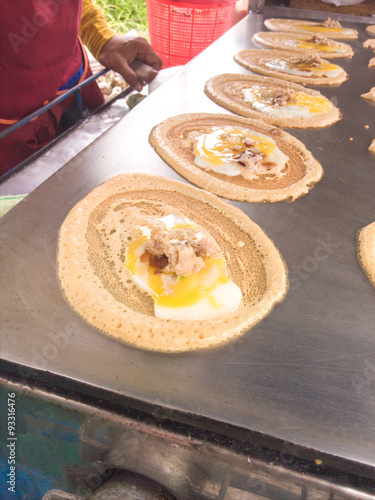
(366, 258)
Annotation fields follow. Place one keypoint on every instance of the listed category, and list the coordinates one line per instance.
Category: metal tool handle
(145, 72)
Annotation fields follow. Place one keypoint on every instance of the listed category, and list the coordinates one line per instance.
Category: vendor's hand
(120, 52)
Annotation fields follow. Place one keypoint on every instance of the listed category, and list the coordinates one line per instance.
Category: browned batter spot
(92, 245)
(154, 261)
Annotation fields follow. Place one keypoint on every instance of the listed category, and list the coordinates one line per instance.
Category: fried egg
(302, 104)
(204, 295)
(301, 69)
(218, 149)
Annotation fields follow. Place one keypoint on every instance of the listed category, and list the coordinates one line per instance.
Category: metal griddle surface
(306, 372)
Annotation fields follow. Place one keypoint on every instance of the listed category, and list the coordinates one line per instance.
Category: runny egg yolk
(189, 290)
(325, 66)
(203, 295)
(311, 103)
(224, 144)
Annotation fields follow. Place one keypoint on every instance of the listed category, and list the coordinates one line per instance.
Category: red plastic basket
(180, 30)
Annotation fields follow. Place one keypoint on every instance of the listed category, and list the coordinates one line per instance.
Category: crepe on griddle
(370, 95)
(369, 44)
(175, 139)
(96, 233)
(243, 94)
(297, 42)
(328, 28)
(299, 68)
(366, 250)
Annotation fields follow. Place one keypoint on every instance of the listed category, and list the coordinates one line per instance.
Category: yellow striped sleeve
(94, 30)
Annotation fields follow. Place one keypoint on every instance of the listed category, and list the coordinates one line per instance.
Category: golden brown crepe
(299, 68)
(366, 250)
(175, 139)
(96, 233)
(263, 98)
(369, 44)
(296, 42)
(369, 95)
(328, 28)
(371, 29)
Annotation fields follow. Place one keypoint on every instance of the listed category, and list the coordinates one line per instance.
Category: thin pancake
(265, 62)
(311, 27)
(369, 44)
(296, 42)
(174, 141)
(228, 90)
(92, 244)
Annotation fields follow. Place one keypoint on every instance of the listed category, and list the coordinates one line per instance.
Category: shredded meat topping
(312, 60)
(331, 23)
(320, 40)
(278, 97)
(251, 159)
(230, 138)
(184, 249)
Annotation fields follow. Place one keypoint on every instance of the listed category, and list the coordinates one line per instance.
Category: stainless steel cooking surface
(306, 373)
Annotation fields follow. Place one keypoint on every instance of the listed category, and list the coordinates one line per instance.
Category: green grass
(124, 15)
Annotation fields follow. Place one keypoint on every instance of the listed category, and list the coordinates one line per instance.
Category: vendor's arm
(113, 51)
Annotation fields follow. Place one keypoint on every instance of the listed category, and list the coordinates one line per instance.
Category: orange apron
(41, 54)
